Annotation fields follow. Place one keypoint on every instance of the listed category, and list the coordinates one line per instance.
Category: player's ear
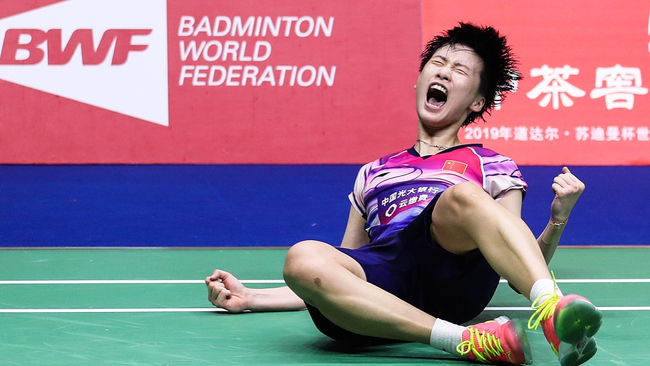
(478, 104)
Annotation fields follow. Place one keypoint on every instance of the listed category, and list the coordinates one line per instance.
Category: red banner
(252, 81)
(586, 64)
(313, 82)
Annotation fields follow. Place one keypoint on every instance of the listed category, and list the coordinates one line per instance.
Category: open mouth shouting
(436, 96)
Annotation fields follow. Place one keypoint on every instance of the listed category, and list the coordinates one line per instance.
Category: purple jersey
(391, 191)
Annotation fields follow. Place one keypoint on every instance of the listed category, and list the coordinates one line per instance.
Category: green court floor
(149, 307)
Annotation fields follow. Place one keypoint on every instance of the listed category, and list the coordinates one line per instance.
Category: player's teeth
(439, 88)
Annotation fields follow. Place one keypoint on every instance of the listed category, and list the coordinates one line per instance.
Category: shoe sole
(576, 321)
(520, 330)
(575, 325)
(574, 355)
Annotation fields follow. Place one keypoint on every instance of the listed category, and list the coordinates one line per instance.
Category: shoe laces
(484, 345)
(544, 309)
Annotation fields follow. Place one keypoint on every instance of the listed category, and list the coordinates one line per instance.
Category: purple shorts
(412, 266)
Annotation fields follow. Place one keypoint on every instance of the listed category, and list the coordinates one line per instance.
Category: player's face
(447, 89)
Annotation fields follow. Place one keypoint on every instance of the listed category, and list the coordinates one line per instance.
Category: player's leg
(335, 284)
(466, 218)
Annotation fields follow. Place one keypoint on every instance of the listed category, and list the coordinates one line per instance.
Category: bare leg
(466, 218)
(336, 284)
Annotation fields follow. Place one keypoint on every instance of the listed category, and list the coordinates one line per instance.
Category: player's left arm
(512, 201)
(567, 188)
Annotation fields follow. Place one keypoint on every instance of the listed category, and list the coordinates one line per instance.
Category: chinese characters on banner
(583, 100)
(618, 85)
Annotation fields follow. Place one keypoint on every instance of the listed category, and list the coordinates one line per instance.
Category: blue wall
(261, 205)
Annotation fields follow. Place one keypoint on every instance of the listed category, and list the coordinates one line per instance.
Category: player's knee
(301, 263)
(463, 197)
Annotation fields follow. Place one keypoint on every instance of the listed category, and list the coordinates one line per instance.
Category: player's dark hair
(499, 75)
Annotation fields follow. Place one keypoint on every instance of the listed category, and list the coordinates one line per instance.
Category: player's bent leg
(309, 263)
(307, 258)
(326, 279)
(335, 284)
(466, 218)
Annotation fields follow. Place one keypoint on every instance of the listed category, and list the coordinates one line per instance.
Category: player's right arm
(227, 292)
(355, 234)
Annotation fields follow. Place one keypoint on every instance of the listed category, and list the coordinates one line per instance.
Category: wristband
(557, 225)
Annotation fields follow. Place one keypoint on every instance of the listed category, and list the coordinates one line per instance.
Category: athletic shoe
(499, 341)
(569, 325)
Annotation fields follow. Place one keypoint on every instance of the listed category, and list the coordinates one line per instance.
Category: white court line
(172, 282)
(131, 310)
(602, 308)
(219, 310)
(604, 280)
(124, 282)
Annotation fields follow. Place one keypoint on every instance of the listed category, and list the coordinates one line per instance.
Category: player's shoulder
(392, 158)
(482, 150)
(489, 154)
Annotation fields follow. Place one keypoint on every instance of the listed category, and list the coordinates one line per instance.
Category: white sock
(543, 287)
(446, 336)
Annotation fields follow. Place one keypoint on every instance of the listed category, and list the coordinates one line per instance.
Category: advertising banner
(586, 66)
(308, 82)
(218, 82)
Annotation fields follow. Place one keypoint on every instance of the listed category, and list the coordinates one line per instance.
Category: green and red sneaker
(569, 324)
(499, 341)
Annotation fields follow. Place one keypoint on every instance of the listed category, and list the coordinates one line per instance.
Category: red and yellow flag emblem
(455, 166)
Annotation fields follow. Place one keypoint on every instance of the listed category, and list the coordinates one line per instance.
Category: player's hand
(567, 188)
(225, 291)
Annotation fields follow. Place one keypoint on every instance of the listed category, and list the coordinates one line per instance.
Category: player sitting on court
(432, 229)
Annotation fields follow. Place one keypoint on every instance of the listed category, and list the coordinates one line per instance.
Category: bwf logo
(23, 46)
(110, 54)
